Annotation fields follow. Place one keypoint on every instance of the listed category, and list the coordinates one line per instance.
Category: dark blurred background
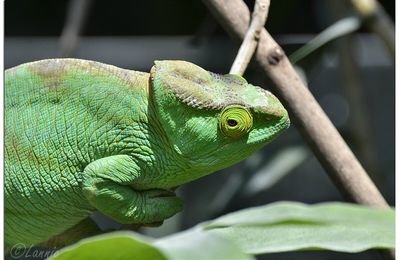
(351, 77)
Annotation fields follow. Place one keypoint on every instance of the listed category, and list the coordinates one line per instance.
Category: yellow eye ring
(235, 121)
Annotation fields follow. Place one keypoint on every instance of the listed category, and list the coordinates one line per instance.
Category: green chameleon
(82, 136)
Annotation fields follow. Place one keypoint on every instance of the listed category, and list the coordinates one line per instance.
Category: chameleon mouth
(173, 189)
(168, 192)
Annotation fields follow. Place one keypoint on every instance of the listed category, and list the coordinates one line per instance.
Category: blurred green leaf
(117, 245)
(279, 166)
(191, 244)
(278, 227)
(196, 244)
(288, 226)
(338, 29)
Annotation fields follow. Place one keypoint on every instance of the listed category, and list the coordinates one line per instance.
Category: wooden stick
(323, 138)
(251, 38)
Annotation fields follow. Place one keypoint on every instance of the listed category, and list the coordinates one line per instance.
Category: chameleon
(82, 136)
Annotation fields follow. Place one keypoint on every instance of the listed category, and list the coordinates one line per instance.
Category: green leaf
(196, 244)
(278, 227)
(117, 245)
(191, 244)
(289, 226)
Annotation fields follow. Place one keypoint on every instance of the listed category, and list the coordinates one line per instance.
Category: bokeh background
(352, 78)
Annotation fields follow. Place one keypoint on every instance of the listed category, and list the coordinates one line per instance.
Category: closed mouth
(168, 192)
(272, 131)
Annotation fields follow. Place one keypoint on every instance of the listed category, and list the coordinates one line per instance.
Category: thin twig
(323, 138)
(378, 21)
(353, 86)
(338, 29)
(75, 20)
(252, 37)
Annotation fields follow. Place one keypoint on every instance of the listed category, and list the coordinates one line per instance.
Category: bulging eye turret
(235, 121)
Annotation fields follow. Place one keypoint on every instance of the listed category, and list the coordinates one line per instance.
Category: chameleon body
(82, 136)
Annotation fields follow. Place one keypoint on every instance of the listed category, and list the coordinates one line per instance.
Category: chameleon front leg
(105, 183)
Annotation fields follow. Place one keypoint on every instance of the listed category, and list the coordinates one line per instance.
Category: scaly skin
(82, 136)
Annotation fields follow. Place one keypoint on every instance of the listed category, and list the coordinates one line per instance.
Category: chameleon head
(213, 121)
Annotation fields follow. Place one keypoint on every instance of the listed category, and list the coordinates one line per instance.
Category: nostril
(273, 116)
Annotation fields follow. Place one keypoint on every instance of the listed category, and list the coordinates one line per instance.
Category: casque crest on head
(201, 89)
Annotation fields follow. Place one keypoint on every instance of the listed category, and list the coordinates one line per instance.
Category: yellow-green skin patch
(82, 136)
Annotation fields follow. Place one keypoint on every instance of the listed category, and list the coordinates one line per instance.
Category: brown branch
(251, 38)
(323, 138)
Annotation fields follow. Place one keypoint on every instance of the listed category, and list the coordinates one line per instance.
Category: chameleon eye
(235, 121)
(232, 122)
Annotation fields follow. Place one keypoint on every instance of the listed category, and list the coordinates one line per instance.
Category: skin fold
(82, 136)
